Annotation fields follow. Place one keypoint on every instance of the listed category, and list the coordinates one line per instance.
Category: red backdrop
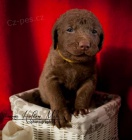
(25, 38)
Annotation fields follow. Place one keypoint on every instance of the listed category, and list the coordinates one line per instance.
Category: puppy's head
(78, 35)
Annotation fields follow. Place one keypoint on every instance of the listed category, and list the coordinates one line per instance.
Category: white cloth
(11, 131)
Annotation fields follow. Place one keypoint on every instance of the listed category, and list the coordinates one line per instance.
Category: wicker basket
(99, 124)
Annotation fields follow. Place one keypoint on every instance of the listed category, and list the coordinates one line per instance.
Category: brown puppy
(68, 79)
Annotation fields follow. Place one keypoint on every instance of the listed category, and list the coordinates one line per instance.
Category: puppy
(68, 79)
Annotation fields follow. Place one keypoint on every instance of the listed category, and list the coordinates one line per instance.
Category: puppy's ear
(101, 41)
(55, 37)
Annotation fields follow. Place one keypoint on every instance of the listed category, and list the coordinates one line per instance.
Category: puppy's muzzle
(84, 46)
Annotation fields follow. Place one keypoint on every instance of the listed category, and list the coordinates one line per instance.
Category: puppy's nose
(84, 45)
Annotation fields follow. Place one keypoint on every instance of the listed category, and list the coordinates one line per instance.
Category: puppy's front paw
(81, 111)
(61, 117)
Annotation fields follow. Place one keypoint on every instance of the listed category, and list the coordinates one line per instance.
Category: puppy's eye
(70, 29)
(94, 31)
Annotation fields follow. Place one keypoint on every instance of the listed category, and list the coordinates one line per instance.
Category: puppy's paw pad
(81, 111)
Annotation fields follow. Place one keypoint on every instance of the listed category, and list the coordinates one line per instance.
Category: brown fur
(68, 86)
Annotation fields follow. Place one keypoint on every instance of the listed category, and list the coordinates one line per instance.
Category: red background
(25, 38)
